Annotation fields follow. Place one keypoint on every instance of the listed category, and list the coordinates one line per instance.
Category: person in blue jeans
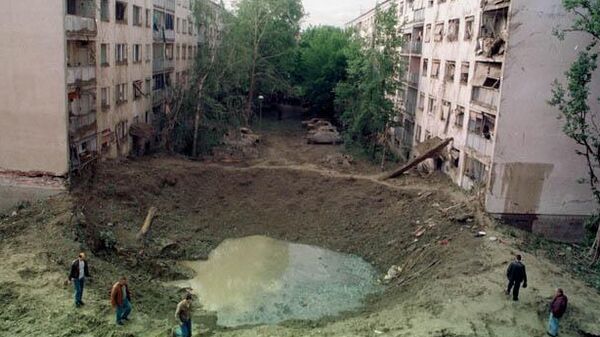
(120, 298)
(79, 271)
(557, 310)
(184, 315)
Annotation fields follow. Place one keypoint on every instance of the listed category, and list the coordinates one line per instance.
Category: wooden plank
(416, 161)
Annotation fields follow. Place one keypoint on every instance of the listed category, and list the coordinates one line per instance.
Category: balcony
(480, 144)
(162, 35)
(159, 3)
(486, 97)
(79, 26)
(160, 65)
(81, 76)
(415, 47)
(169, 35)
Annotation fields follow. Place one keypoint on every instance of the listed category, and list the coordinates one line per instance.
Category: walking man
(120, 299)
(184, 315)
(516, 274)
(79, 271)
(557, 310)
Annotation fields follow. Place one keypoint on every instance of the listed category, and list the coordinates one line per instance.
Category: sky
(333, 12)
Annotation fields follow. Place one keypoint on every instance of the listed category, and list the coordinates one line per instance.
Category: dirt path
(291, 192)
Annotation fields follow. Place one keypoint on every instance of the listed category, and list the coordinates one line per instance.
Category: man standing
(557, 310)
(516, 274)
(79, 271)
(120, 298)
(184, 315)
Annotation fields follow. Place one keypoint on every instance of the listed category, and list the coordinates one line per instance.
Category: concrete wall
(535, 168)
(33, 109)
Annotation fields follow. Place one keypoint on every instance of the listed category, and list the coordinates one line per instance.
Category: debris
(392, 273)
(147, 223)
(14, 213)
(444, 242)
(433, 149)
(493, 238)
(480, 234)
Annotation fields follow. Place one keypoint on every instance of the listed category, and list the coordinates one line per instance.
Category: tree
(264, 33)
(321, 65)
(373, 77)
(572, 100)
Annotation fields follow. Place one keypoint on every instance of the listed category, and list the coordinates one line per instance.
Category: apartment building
(480, 72)
(82, 73)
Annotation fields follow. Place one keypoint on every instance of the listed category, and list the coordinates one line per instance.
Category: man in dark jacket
(557, 310)
(79, 271)
(516, 274)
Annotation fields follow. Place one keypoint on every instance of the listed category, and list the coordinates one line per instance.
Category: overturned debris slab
(435, 145)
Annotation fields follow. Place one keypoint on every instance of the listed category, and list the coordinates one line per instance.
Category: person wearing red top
(557, 310)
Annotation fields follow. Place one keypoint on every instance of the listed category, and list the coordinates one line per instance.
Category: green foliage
(321, 65)
(373, 73)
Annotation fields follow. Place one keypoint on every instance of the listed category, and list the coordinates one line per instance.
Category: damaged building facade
(83, 73)
(480, 72)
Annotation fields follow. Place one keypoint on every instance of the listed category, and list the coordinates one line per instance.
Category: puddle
(259, 280)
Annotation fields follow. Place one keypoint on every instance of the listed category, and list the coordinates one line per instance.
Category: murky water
(258, 280)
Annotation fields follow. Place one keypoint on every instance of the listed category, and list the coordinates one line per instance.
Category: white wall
(33, 111)
(535, 168)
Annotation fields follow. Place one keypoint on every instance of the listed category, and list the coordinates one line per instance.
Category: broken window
(453, 29)
(425, 66)
(438, 34)
(138, 92)
(445, 110)
(427, 32)
(482, 124)
(469, 27)
(459, 116)
(105, 98)
(435, 68)
(487, 74)
(493, 33)
(120, 12)
(104, 55)
(464, 73)
(431, 105)
(455, 157)
(104, 11)
(450, 71)
(159, 82)
(421, 105)
(475, 170)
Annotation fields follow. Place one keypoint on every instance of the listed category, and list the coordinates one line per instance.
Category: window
(418, 134)
(104, 11)
(435, 68)
(459, 116)
(121, 93)
(158, 82)
(455, 156)
(148, 18)
(427, 134)
(105, 98)
(469, 27)
(104, 55)
(428, 32)
(425, 67)
(482, 124)
(137, 53)
(421, 105)
(178, 26)
(450, 71)
(169, 22)
(137, 16)
(475, 170)
(147, 117)
(438, 34)
(148, 88)
(431, 105)
(430, 4)
(121, 53)
(121, 12)
(184, 27)
(445, 110)
(183, 51)
(148, 52)
(177, 52)
(190, 27)
(138, 92)
(121, 129)
(169, 51)
(464, 73)
(190, 56)
(453, 29)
